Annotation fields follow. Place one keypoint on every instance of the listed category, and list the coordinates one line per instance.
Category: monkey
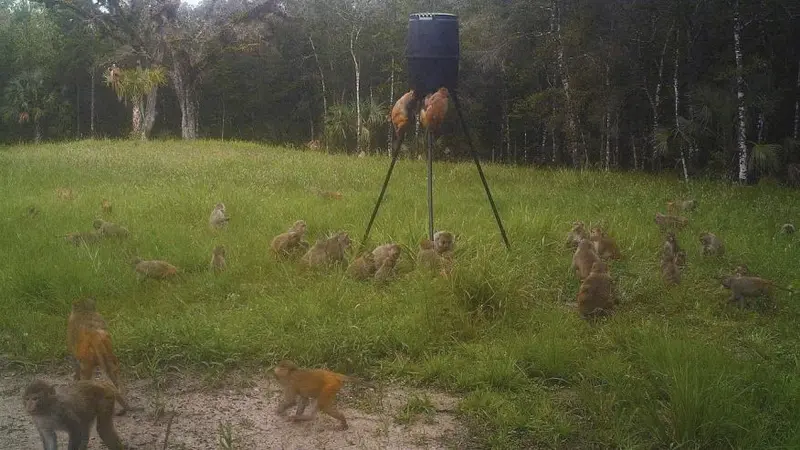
(328, 251)
(362, 154)
(106, 206)
(667, 221)
(742, 286)
(670, 271)
(110, 230)
(787, 228)
(434, 109)
(218, 259)
(595, 297)
(335, 195)
(287, 243)
(384, 252)
(444, 243)
(712, 245)
(680, 259)
(82, 237)
(427, 256)
(681, 205)
(605, 246)
(363, 267)
(313, 144)
(583, 259)
(73, 410)
(742, 270)
(399, 116)
(89, 342)
(671, 244)
(575, 235)
(308, 384)
(218, 219)
(154, 269)
(386, 270)
(64, 193)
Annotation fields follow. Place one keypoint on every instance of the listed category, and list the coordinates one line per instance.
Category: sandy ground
(242, 416)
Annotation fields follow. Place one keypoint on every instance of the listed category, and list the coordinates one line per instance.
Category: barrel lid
(429, 16)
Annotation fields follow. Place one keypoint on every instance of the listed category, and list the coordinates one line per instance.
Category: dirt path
(204, 418)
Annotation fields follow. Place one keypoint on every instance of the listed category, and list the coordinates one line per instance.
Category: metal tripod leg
(480, 171)
(395, 155)
(429, 144)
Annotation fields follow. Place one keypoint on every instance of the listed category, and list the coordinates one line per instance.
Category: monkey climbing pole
(432, 54)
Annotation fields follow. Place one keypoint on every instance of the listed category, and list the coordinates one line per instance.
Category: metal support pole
(480, 171)
(429, 144)
(395, 155)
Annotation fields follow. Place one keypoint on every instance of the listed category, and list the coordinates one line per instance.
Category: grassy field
(674, 368)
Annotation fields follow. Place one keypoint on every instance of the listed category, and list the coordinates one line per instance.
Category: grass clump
(675, 367)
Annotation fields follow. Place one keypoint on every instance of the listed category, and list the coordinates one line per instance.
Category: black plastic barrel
(432, 51)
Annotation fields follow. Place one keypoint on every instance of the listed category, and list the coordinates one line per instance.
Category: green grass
(674, 368)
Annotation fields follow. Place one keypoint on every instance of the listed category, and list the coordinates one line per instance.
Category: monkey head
(443, 241)
(38, 397)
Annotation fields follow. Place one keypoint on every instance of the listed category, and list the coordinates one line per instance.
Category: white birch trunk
(353, 38)
(391, 102)
(91, 107)
(657, 95)
(635, 154)
(321, 78)
(677, 111)
(741, 131)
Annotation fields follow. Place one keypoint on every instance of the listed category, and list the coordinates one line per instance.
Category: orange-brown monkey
(307, 384)
(401, 111)
(434, 109)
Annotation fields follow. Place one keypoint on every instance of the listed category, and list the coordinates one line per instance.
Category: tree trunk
(555, 148)
(677, 110)
(321, 78)
(37, 132)
(761, 125)
(353, 39)
(635, 154)
(572, 132)
(796, 133)
(741, 131)
(150, 113)
(391, 102)
(136, 117)
(187, 98)
(91, 108)
(608, 117)
(656, 102)
(616, 138)
(222, 134)
(78, 110)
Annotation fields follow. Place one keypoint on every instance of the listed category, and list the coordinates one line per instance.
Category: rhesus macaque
(313, 144)
(64, 193)
(671, 244)
(577, 234)
(384, 252)
(218, 219)
(363, 267)
(401, 111)
(583, 259)
(89, 342)
(604, 245)
(744, 286)
(787, 228)
(73, 410)
(675, 207)
(335, 195)
(664, 221)
(712, 245)
(362, 154)
(328, 251)
(680, 259)
(106, 206)
(154, 269)
(218, 259)
(670, 270)
(434, 109)
(386, 270)
(108, 229)
(595, 297)
(742, 270)
(309, 384)
(286, 244)
(444, 243)
(428, 257)
(82, 237)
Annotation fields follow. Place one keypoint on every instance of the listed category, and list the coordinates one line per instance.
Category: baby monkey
(712, 245)
(385, 271)
(576, 235)
(106, 206)
(73, 410)
(309, 384)
(218, 259)
(218, 219)
(154, 269)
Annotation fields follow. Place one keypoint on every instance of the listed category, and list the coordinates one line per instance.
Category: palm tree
(134, 85)
(27, 99)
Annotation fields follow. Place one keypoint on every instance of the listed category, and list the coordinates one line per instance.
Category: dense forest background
(706, 87)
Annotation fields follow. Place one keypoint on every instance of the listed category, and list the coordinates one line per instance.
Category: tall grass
(675, 367)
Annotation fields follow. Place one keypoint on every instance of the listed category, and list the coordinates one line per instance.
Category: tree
(134, 86)
(28, 98)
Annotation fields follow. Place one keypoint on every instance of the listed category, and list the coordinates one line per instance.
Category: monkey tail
(105, 356)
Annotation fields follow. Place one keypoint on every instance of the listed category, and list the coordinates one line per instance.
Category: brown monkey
(106, 206)
(82, 237)
(154, 269)
(575, 235)
(745, 286)
(218, 219)
(680, 259)
(386, 270)
(89, 342)
(667, 221)
(742, 270)
(64, 193)
(670, 270)
(595, 297)
(218, 259)
(384, 252)
(108, 229)
(363, 267)
(308, 384)
(434, 109)
(675, 207)
(583, 259)
(427, 256)
(787, 228)
(712, 245)
(73, 410)
(328, 251)
(286, 244)
(605, 246)
(334, 195)
(444, 242)
(671, 244)
(401, 112)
